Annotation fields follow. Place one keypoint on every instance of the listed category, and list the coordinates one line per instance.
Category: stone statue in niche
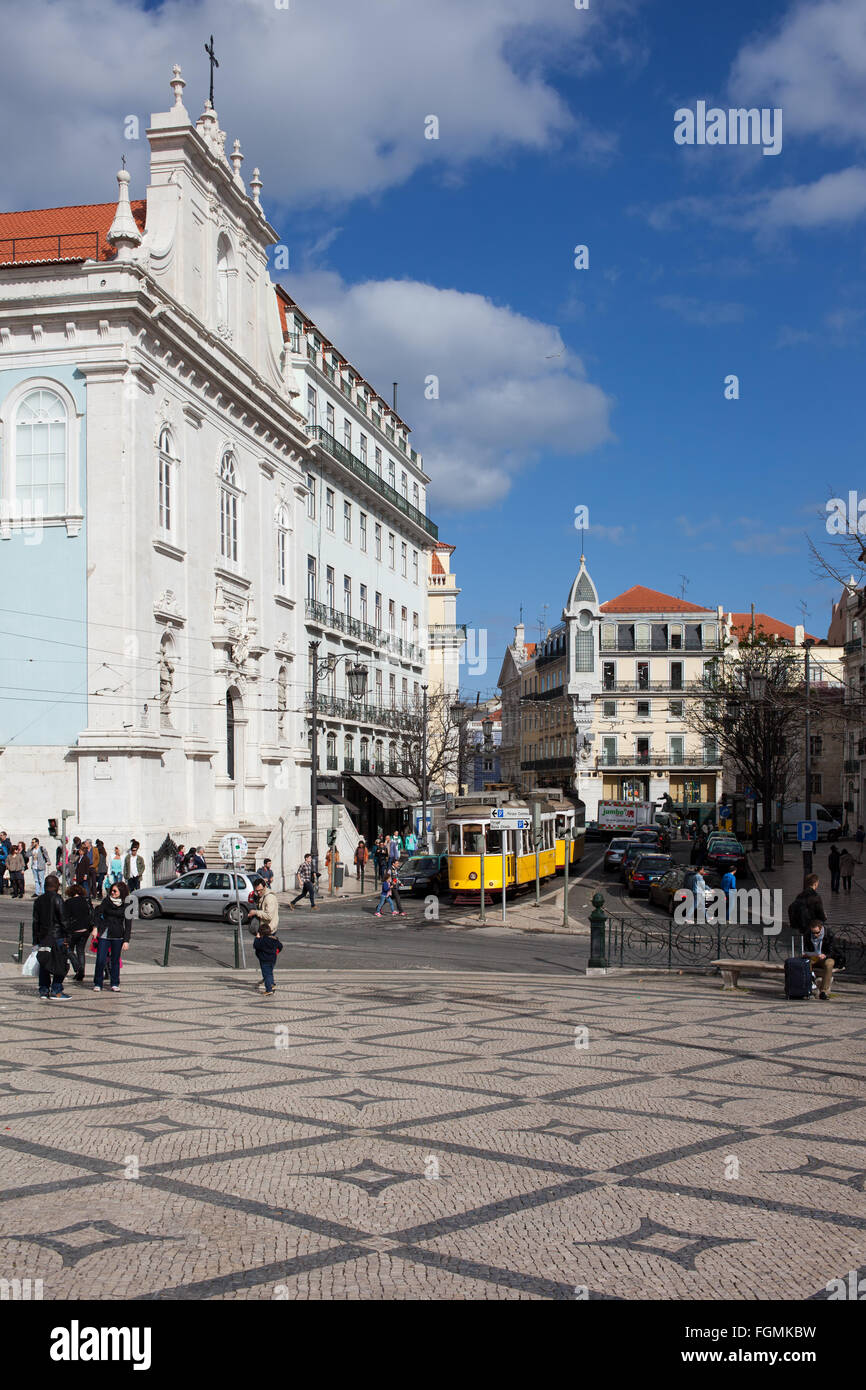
(166, 684)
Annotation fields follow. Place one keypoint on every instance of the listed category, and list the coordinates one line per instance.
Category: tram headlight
(472, 876)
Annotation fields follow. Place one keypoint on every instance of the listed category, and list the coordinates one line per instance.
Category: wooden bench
(733, 969)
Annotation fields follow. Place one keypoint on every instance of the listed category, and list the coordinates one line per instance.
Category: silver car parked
(201, 893)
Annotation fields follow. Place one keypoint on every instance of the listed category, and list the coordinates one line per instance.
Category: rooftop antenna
(394, 407)
(684, 585)
(542, 622)
(804, 610)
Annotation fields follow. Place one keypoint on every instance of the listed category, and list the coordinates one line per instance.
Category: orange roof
(765, 626)
(47, 235)
(529, 648)
(436, 565)
(641, 600)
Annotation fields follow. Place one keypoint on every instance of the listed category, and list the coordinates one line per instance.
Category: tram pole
(566, 857)
(503, 876)
(483, 894)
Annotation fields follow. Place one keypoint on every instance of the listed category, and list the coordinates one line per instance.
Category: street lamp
(807, 851)
(423, 846)
(357, 680)
(458, 712)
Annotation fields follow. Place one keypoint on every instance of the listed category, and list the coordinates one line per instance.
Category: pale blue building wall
(43, 609)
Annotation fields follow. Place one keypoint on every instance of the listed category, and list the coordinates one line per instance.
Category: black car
(662, 891)
(723, 855)
(425, 873)
(633, 851)
(646, 870)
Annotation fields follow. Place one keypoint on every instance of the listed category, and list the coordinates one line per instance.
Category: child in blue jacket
(267, 947)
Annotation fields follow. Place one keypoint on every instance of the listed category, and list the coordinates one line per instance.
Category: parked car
(425, 873)
(646, 869)
(209, 893)
(656, 837)
(613, 854)
(662, 890)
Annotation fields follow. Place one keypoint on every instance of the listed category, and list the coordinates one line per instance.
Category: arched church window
(229, 497)
(41, 429)
(166, 480)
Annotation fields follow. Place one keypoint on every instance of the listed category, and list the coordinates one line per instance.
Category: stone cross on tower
(208, 48)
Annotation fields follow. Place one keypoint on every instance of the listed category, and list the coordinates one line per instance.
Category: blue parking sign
(807, 831)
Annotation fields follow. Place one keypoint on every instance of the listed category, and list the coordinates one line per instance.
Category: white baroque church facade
(156, 462)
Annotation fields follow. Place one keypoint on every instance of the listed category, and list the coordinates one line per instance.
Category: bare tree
(443, 744)
(753, 713)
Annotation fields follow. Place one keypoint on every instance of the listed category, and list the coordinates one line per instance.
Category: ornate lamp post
(458, 717)
(357, 680)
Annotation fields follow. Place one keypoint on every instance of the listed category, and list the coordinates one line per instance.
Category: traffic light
(52, 828)
(332, 837)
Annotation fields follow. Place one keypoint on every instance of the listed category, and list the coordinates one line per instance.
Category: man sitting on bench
(822, 952)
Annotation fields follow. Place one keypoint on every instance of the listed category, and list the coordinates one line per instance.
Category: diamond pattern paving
(462, 1138)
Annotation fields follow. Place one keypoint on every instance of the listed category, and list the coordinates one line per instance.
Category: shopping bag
(31, 964)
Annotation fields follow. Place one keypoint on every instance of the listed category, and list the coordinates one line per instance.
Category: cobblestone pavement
(438, 1136)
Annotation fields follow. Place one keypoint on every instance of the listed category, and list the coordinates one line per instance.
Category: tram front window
(494, 841)
(454, 839)
(473, 839)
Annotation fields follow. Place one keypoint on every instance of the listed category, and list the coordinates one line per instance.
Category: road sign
(513, 823)
(807, 831)
(233, 849)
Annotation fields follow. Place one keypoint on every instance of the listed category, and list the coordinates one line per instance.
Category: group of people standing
(63, 929)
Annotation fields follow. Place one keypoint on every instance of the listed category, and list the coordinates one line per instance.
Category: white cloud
(329, 100)
(509, 388)
(814, 66)
(693, 310)
(617, 535)
(835, 199)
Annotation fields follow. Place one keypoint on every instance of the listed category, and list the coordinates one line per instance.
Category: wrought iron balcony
(658, 648)
(657, 687)
(357, 712)
(855, 645)
(354, 464)
(326, 616)
(659, 760)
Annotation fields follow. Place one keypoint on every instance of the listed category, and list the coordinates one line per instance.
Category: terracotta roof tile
(47, 235)
(436, 565)
(639, 599)
(766, 626)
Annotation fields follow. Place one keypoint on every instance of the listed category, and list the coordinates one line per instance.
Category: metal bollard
(237, 947)
(362, 878)
(167, 944)
(598, 962)
(19, 955)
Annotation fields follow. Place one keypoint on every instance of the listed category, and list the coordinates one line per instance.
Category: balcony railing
(390, 494)
(67, 246)
(855, 645)
(656, 686)
(658, 648)
(659, 760)
(548, 764)
(332, 763)
(852, 765)
(348, 764)
(357, 712)
(326, 616)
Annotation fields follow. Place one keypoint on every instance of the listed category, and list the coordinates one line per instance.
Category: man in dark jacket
(807, 907)
(49, 938)
(823, 952)
(111, 931)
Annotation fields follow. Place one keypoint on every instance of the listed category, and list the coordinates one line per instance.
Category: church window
(166, 479)
(40, 454)
(229, 493)
(282, 520)
(225, 270)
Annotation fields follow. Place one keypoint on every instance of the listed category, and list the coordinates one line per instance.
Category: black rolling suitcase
(798, 978)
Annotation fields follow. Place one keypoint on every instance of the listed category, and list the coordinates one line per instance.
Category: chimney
(519, 637)
(799, 635)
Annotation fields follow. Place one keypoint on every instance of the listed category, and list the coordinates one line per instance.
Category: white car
(200, 893)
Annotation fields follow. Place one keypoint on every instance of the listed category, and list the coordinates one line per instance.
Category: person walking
(133, 868)
(386, 896)
(833, 861)
(49, 938)
(78, 922)
(394, 876)
(100, 868)
(699, 889)
(5, 851)
(115, 874)
(16, 864)
(393, 851)
(83, 866)
(180, 861)
(267, 908)
(380, 859)
(306, 878)
(267, 947)
(846, 868)
(111, 932)
(410, 842)
(728, 885)
(266, 873)
(362, 854)
(38, 866)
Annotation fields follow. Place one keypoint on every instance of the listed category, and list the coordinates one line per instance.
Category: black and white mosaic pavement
(456, 1136)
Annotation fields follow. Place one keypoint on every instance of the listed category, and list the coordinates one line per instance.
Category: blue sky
(454, 257)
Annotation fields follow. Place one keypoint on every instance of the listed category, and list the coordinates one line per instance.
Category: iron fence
(163, 861)
(669, 946)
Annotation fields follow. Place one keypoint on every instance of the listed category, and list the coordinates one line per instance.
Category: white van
(828, 828)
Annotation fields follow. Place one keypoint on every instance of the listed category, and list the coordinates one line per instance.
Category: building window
(404, 623)
(362, 599)
(362, 525)
(312, 407)
(816, 745)
(228, 508)
(282, 520)
(311, 579)
(329, 586)
(404, 486)
(391, 549)
(379, 691)
(817, 783)
(40, 454)
(347, 596)
(643, 709)
(347, 435)
(329, 508)
(392, 690)
(329, 418)
(230, 736)
(608, 750)
(379, 462)
(362, 445)
(348, 753)
(331, 746)
(391, 616)
(404, 553)
(311, 497)
(377, 535)
(378, 612)
(414, 566)
(608, 709)
(378, 747)
(678, 750)
(347, 521)
(166, 478)
(404, 692)
(608, 675)
(225, 270)
(365, 755)
(415, 628)
(677, 709)
(415, 496)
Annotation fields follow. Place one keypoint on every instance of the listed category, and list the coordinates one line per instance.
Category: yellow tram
(472, 829)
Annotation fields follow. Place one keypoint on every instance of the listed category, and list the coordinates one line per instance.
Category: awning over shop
(331, 799)
(391, 792)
